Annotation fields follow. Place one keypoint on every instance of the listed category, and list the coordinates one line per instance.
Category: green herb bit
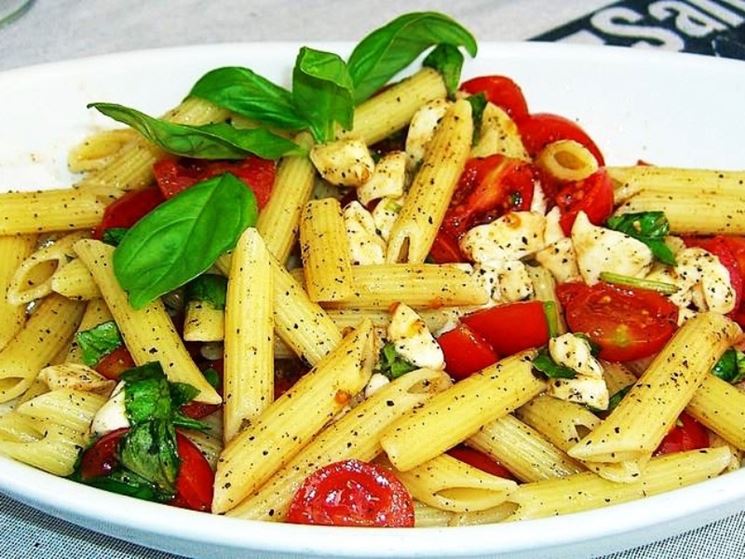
(209, 288)
(98, 342)
(731, 366)
(448, 61)
(391, 364)
(113, 236)
(552, 318)
(546, 365)
(478, 104)
(149, 450)
(629, 281)
(651, 228)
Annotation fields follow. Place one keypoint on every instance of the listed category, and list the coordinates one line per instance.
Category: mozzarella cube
(385, 215)
(511, 237)
(343, 162)
(422, 128)
(712, 290)
(553, 232)
(376, 382)
(581, 390)
(604, 250)
(575, 352)
(112, 415)
(388, 179)
(560, 260)
(413, 340)
(365, 246)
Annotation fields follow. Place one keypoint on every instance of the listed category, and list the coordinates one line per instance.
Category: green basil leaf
(730, 367)
(322, 92)
(210, 141)
(248, 94)
(478, 104)
(391, 364)
(183, 237)
(113, 236)
(391, 48)
(448, 61)
(210, 288)
(147, 394)
(182, 393)
(96, 343)
(149, 450)
(651, 228)
(127, 483)
(546, 365)
(213, 377)
(185, 422)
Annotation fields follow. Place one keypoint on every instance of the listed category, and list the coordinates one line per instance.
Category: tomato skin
(465, 352)
(176, 175)
(445, 249)
(501, 91)
(103, 457)
(115, 363)
(722, 247)
(195, 480)
(540, 129)
(129, 209)
(488, 188)
(593, 195)
(626, 323)
(511, 328)
(479, 460)
(352, 493)
(690, 435)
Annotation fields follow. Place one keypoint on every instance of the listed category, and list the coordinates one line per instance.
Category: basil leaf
(149, 450)
(113, 236)
(127, 483)
(182, 393)
(546, 365)
(391, 48)
(96, 343)
(478, 104)
(186, 422)
(322, 92)
(213, 377)
(248, 94)
(730, 367)
(448, 61)
(183, 237)
(147, 394)
(651, 228)
(211, 288)
(391, 364)
(210, 141)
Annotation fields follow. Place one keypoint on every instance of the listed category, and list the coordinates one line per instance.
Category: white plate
(668, 109)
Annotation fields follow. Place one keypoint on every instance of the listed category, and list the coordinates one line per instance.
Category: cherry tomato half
(540, 129)
(195, 479)
(688, 434)
(352, 493)
(103, 457)
(626, 323)
(115, 363)
(176, 175)
(722, 247)
(465, 352)
(593, 195)
(129, 209)
(445, 249)
(511, 328)
(479, 460)
(501, 91)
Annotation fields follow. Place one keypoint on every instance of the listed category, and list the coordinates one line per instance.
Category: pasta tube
(49, 210)
(74, 281)
(13, 251)
(203, 322)
(721, 407)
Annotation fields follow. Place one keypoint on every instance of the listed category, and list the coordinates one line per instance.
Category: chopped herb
(113, 236)
(210, 288)
(630, 281)
(213, 377)
(391, 364)
(478, 104)
(730, 367)
(651, 228)
(546, 365)
(97, 342)
(552, 318)
(126, 483)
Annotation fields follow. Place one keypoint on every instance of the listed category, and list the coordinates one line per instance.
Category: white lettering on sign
(688, 19)
(727, 16)
(620, 22)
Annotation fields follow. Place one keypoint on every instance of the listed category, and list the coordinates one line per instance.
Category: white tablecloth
(61, 29)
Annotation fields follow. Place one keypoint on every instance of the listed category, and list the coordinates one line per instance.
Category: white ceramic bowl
(667, 109)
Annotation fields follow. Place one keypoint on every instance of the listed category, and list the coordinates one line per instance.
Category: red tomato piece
(465, 352)
(511, 328)
(445, 249)
(593, 195)
(540, 129)
(488, 188)
(195, 477)
(626, 323)
(176, 175)
(352, 493)
(501, 91)
(479, 460)
(103, 457)
(688, 434)
(724, 248)
(115, 363)
(129, 209)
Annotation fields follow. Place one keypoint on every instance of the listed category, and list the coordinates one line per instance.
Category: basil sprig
(448, 61)
(98, 342)
(391, 48)
(183, 237)
(209, 141)
(651, 228)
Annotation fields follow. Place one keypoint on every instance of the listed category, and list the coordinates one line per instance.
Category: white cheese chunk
(560, 260)
(538, 202)
(365, 246)
(112, 415)
(581, 390)
(505, 282)
(604, 250)
(376, 382)
(388, 179)
(343, 162)
(422, 128)
(575, 352)
(412, 339)
(703, 275)
(553, 232)
(385, 215)
(511, 237)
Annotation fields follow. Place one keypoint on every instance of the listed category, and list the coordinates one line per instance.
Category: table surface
(63, 29)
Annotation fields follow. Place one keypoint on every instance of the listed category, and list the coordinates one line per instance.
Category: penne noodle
(97, 150)
(49, 210)
(567, 160)
(617, 376)
(74, 281)
(430, 517)
(721, 408)
(13, 251)
(203, 322)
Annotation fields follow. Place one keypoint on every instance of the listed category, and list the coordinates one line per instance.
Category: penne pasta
(720, 407)
(97, 150)
(567, 160)
(148, 333)
(13, 251)
(430, 517)
(46, 211)
(285, 427)
(74, 281)
(203, 322)
(428, 198)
